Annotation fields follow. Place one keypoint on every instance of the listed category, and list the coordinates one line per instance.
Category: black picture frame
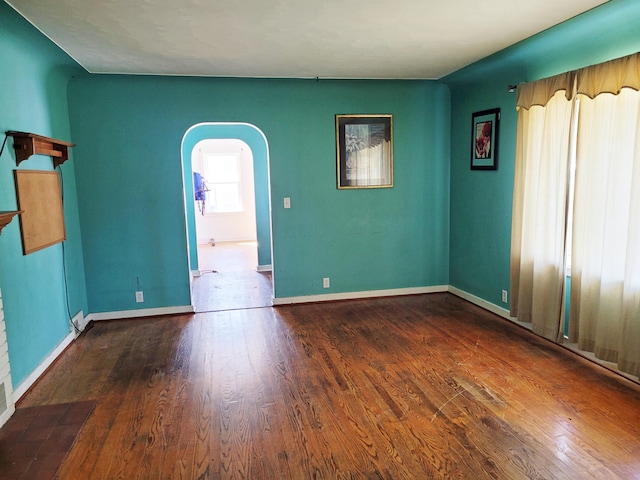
(485, 135)
(364, 151)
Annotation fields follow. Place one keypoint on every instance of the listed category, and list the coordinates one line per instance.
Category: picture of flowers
(484, 141)
(364, 151)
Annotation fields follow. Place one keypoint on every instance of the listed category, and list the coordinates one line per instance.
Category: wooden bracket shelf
(6, 217)
(27, 144)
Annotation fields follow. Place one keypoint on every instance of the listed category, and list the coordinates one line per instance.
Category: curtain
(539, 207)
(605, 292)
(605, 233)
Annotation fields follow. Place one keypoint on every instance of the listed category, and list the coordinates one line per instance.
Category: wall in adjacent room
(481, 200)
(236, 226)
(33, 97)
(129, 130)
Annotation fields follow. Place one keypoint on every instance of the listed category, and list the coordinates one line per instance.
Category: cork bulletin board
(40, 198)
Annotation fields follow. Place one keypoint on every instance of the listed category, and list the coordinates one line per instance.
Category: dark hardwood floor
(425, 386)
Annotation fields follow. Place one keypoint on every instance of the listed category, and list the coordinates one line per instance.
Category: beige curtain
(539, 205)
(605, 292)
(609, 77)
(605, 262)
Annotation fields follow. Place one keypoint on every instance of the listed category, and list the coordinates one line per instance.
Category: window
(223, 176)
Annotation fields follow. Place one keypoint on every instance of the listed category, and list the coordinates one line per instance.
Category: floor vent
(3, 399)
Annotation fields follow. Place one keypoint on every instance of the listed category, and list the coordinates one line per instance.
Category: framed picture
(364, 146)
(484, 139)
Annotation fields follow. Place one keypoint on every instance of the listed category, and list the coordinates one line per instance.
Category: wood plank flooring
(426, 386)
(229, 278)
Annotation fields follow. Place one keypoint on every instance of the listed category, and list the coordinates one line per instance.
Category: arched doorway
(257, 142)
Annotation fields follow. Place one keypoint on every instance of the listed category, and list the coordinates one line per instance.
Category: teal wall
(129, 129)
(481, 200)
(260, 153)
(33, 98)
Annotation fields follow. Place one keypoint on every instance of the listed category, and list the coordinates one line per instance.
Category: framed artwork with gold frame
(364, 151)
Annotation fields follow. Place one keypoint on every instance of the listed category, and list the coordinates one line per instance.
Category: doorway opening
(228, 216)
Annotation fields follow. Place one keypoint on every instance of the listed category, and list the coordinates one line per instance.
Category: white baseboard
(46, 363)
(264, 268)
(329, 297)
(493, 308)
(145, 312)
(80, 321)
(503, 312)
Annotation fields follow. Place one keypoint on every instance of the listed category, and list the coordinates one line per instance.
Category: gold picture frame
(364, 150)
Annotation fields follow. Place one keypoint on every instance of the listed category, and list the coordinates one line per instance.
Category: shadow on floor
(35, 440)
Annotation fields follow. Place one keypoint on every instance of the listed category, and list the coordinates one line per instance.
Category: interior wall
(481, 200)
(364, 240)
(33, 98)
(227, 226)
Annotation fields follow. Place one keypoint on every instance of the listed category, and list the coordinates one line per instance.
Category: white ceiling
(411, 39)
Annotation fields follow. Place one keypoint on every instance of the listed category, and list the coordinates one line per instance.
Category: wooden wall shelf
(6, 217)
(27, 144)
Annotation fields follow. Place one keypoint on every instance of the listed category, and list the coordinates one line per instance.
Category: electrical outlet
(505, 296)
(326, 283)
(139, 297)
(287, 202)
